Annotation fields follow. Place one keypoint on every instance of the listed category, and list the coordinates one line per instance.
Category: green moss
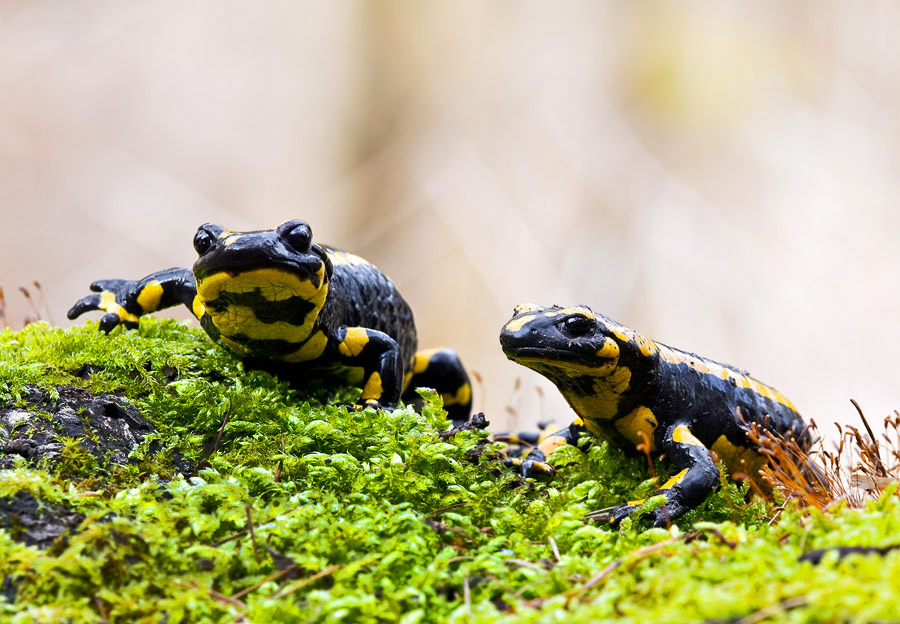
(74, 459)
(373, 517)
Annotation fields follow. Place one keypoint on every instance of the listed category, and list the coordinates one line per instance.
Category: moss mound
(244, 500)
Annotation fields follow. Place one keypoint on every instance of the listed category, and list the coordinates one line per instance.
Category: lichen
(254, 500)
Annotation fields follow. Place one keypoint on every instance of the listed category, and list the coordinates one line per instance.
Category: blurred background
(722, 176)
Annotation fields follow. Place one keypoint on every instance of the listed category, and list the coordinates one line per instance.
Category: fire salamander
(621, 385)
(297, 309)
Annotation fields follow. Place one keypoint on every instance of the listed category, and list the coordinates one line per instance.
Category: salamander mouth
(560, 358)
(243, 263)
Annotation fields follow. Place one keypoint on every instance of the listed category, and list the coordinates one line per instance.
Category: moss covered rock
(147, 477)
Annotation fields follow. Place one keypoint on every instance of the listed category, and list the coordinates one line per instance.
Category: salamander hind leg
(441, 369)
(698, 477)
(544, 444)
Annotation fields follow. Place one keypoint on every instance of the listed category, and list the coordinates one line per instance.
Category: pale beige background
(720, 175)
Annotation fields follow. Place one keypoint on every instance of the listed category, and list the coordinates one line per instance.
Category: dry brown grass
(37, 305)
(860, 467)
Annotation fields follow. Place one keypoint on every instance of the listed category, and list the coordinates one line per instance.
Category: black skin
(345, 312)
(695, 401)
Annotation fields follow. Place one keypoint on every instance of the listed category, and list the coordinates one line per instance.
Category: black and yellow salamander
(297, 309)
(621, 385)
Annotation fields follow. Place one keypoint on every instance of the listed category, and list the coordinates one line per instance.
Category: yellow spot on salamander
(609, 350)
(344, 257)
(150, 296)
(637, 420)
(619, 380)
(646, 346)
(674, 480)
(197, 307)
(354, 342)
(422, 359)
(525, 307)
(238, 320)
(225, 233)
(572, 310)
(352, 374)
(518, 323)
(462, 396)
(312, 349)
(682, 435)
(739, 458)
(272, 284)
(601, 401)
(549, 431)
(551, 443)
(108, 303)
(373, 389)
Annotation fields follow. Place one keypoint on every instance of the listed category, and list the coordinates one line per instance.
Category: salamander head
(266, 285)
(560, 343)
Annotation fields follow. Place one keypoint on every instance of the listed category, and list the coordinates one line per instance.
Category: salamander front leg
(698, 477)
(379, 356)
(125, 301)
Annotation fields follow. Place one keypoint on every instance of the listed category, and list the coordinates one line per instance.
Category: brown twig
(526, 564)
(874, 446)
(222, 428)
(435, 514)
(290, 589)
(34, 310)
(3, 321)
(275, 575)
(230, 538)
(690, 537)
(467, 597)
(280, 463)
(218, 596)
(555, 549)
(42, 302)
(598, 578)
(766, 612)
(101, 608)
(252, 533)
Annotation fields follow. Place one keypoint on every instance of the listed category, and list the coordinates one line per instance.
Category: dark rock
(8, 589)
(477, 421)
(107, 426)
(34, 523)
(815, 556)
(87, 370)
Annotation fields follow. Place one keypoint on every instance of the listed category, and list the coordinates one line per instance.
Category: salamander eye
(299, 236)
(203, 240)
(576, 326)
